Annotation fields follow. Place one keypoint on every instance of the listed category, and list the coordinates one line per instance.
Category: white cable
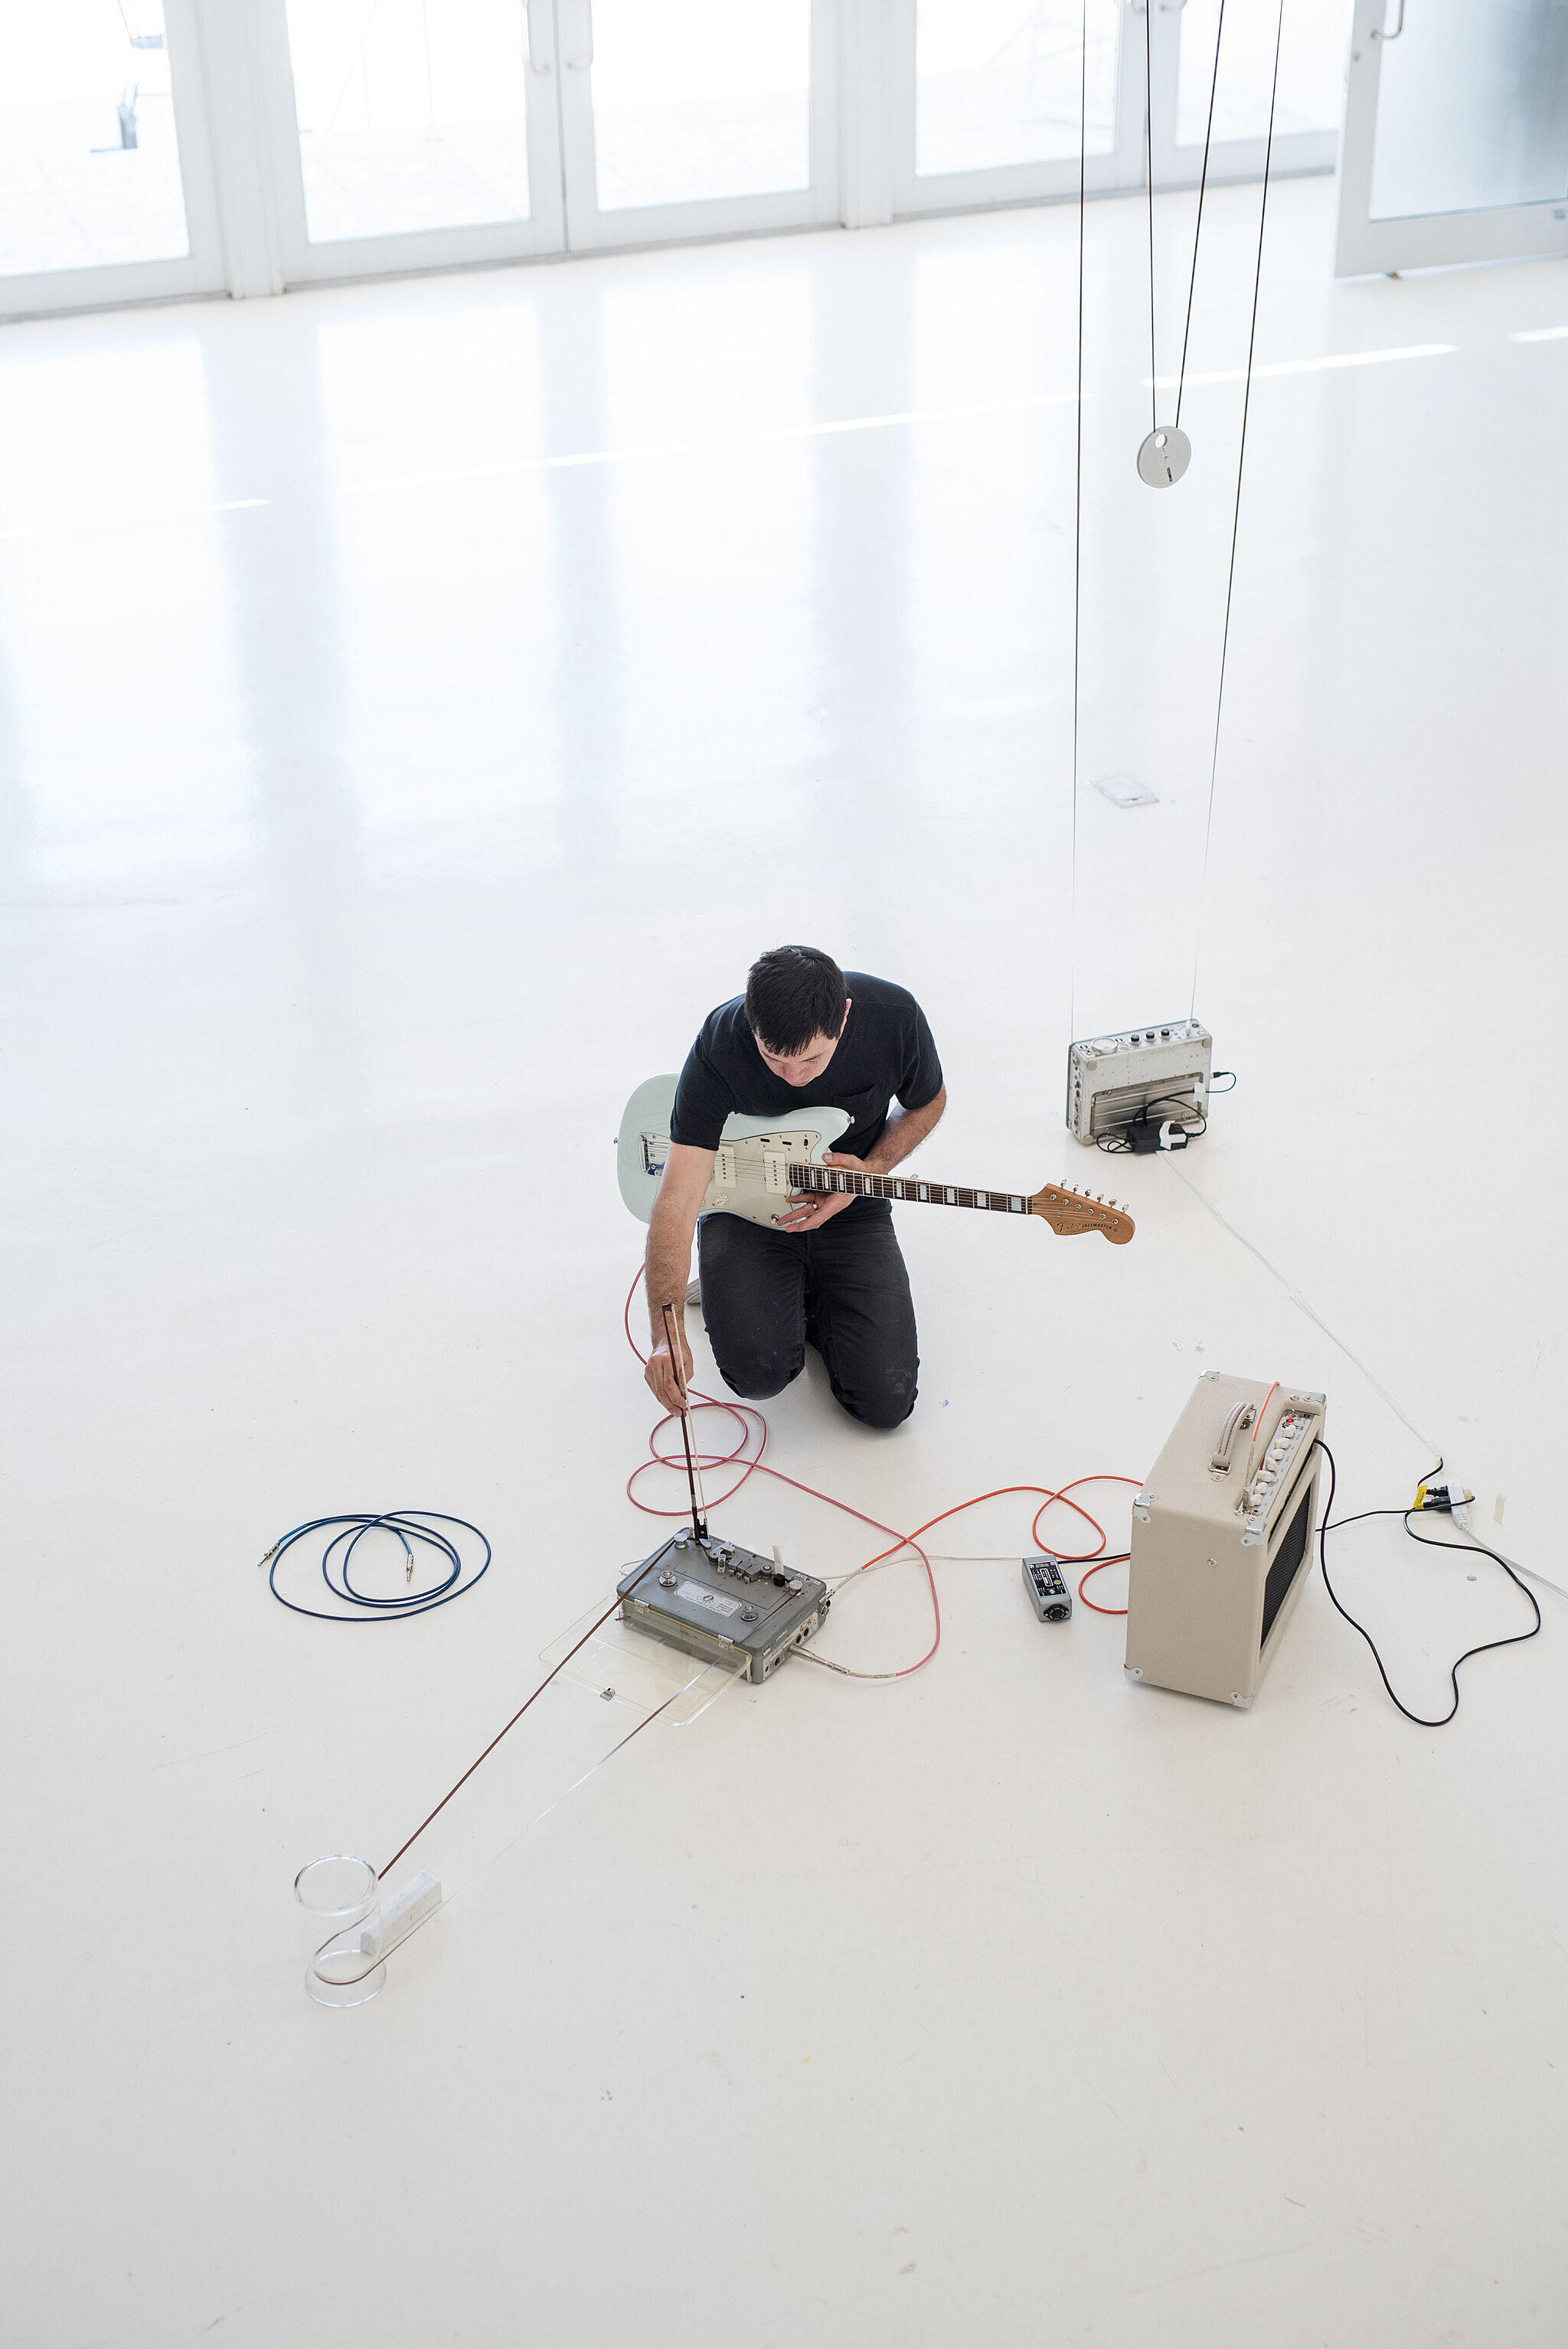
(1295, 1296)
(1486, 1549)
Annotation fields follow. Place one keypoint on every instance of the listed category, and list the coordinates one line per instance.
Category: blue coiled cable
(410, 1525)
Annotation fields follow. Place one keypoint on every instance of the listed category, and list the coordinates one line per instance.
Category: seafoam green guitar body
(750, 1175)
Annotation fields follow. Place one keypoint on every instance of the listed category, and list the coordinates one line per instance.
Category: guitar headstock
(1067, 1212)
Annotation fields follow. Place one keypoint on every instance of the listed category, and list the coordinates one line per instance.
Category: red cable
(1258, 1428)
(1098, 1568)
(744, 1412)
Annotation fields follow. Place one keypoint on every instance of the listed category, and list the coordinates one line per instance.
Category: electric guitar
(761, 1162)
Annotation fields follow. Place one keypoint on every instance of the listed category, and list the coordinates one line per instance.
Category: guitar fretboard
(901, 1186)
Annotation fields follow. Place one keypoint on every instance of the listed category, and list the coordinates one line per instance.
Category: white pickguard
(750, 1174)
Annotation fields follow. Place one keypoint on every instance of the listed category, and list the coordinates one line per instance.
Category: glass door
(1315, 41)
(984, 100)
(1456, 134)
(106, 193)
(413, 134)
(697, 117)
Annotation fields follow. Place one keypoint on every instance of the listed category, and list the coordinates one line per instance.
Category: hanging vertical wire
(1148, 184)
(1078, 532)
(1198, 225)
(1235, 518)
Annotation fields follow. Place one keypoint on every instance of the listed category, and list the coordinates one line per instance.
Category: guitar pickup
(726, 1172)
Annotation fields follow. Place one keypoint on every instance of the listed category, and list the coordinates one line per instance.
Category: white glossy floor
(418, 704)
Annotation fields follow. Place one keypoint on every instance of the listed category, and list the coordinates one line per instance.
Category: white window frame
(33, 294)
(1296, 153)
(299, 262)
(589, 229)
(1420, 239)
(1010, 183)
(244, 189)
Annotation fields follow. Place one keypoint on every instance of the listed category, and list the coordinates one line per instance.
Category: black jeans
(843, 1288)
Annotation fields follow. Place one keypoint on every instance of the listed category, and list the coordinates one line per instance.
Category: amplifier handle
(1240, 1415)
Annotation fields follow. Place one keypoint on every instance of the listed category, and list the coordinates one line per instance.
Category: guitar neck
(903, 1187)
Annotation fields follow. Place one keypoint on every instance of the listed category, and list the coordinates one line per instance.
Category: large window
(1000, 82)
(1314, 43)
(411, 114)
(156, 147)
(700, 101)
(92, 183)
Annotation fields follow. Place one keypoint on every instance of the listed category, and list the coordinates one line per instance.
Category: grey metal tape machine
(714, 1600)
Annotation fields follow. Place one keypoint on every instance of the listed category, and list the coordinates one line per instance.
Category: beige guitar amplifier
(1221, 1537)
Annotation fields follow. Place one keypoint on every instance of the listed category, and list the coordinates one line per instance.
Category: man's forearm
(667, 1270)
(905, 1130)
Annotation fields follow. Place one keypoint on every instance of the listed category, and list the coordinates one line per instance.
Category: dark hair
(793, 994)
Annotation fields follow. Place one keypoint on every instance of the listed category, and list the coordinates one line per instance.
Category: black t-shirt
(886, 1050)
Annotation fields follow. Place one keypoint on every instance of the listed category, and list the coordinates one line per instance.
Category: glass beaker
(339, 1904)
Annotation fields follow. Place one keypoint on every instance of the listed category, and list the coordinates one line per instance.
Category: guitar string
(1235, 517)
(805, 1176)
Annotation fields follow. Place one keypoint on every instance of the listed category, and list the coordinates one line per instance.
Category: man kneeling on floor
(830, 1274)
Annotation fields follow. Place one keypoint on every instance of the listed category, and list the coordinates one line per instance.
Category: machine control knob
(666, 1581)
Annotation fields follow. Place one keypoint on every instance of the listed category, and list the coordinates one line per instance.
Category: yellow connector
(1450, 1495)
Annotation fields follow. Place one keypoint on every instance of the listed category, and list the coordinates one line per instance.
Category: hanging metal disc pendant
(1163, 457)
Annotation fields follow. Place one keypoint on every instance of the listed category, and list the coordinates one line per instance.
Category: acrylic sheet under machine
(1221, 1537)
(625, 1667)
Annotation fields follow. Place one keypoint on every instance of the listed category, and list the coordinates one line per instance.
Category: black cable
(410, 1525)
(1236, 515)
(1195, 1125)
(1078, 514)
(1198, 229)
(1149, 171)
(1472, 1548)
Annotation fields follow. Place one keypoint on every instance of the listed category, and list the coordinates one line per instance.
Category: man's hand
(905, 1130)
(810, 1208)
(660, 1373)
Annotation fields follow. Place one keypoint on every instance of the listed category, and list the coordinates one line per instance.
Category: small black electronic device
(1048, 1593)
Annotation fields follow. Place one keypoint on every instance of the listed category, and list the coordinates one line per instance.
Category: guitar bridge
(656, 1151)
